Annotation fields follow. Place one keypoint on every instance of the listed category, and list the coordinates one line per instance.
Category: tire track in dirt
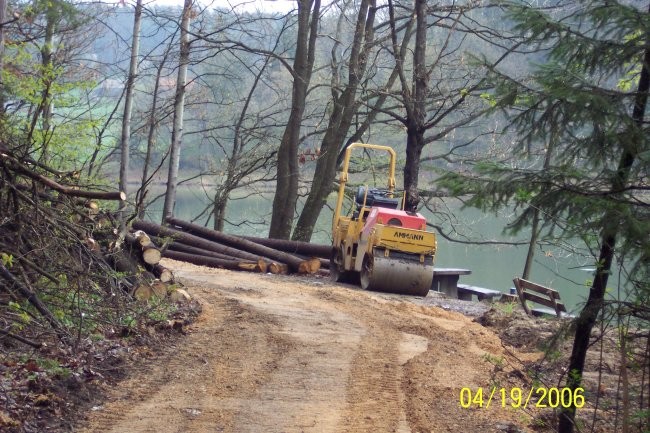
(286, 354)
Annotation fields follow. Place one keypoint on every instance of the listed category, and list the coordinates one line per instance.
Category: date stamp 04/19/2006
(517, 398)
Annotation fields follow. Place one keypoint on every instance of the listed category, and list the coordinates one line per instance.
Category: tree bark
(125, 141)
(595, 302)
(179, 105)
(3, 19)
(344, 107)
(149, 254)
(286, 194)
(213, 262)
(162, 273)
(188, 239)
(294, 247)
(183, 248)
(416, 108)
(152, 124)
(239, 243)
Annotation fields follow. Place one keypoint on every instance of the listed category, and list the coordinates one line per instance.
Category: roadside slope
(288, 354)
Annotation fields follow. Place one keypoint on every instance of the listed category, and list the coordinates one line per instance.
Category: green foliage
(497, 361)
(7, 259)
(572, 123)
(53, 367)
(507, 308)
(49, 110)
(70, 134)
(23, 317)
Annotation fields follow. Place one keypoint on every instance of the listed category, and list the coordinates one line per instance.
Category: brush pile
(69, 283)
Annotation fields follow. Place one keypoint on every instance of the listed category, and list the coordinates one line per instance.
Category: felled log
(310, 266)
(239, 243)
(278, 268)
(159, 289)
(294, 247)
(151, 256)
(149, 253)
(182, 248)
(142, 292)
(238, 265)
(92, 244)
(189, 239)
(123, 262)
(91, 206)
(142, 238)
(180, 295)
(146, 291)
(162, 273)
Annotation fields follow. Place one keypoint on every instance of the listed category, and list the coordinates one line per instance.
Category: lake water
(492, 266)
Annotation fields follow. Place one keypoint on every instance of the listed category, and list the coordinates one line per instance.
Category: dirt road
(288, 354)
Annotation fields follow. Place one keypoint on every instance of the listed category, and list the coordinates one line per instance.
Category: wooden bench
(465, 293)
(445, 280)
(529, 291)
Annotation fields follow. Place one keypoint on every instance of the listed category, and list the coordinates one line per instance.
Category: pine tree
(585, 107)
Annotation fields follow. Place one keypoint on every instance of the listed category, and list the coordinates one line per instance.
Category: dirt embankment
(286, 354)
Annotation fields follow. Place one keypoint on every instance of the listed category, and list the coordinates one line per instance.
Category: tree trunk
(48, 70)
(345, 107)
(286, 194)
(179, 105)
(531, 245)
(414, 146)
(128, 108)
(589, 314)
(44, 109)
(534, 230)
(219, 209)
(416, 108)
(152, 126)
(3, 19)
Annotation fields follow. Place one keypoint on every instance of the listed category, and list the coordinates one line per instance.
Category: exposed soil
(290, 354)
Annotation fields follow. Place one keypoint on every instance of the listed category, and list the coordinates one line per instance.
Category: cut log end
(180, 295)
(143, 292)
(310, 266)
(163, 274)
(278, 268)
(159, 289)
(142, 238)
(151, 256)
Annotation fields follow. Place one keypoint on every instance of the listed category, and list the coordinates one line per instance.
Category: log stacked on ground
(239, 243)
(202, 246)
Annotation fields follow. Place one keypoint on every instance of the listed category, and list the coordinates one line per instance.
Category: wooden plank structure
(529, 291)
(466, 291)
(445, 280)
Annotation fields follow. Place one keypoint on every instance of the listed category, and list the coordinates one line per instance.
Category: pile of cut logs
(184, 241)
(137, 259)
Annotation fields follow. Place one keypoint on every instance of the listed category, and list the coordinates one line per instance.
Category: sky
(240, 5)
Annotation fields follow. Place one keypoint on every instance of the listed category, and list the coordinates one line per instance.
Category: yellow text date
(521, 398)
